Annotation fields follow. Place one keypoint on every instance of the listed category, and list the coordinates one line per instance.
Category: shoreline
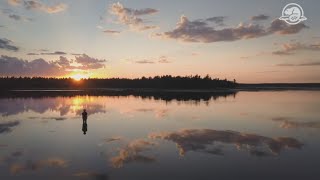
(240, 88)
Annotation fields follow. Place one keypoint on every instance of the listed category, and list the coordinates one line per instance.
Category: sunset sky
(242, 40)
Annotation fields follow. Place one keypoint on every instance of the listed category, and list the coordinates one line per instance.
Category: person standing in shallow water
(84, 124)
(84, 116)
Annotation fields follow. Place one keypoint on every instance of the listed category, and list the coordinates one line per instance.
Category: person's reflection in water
(84, 123)
(84, 127)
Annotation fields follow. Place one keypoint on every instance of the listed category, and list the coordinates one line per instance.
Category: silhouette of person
(84, 116)
(84, 127)
(84, 123)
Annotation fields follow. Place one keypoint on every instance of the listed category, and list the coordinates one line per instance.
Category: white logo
(292, 14)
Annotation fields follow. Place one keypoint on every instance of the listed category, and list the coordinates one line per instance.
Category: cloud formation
(160, 60)
(132, 17)
(14, 2)
(163, 59)
(88, 62)
(38, 5)
(32, 54)
(111, 32)
(202, 31)
(12, 15)
(254, 55)
(218, 20)
(144, 62)
(43, 50)
(12, 66)
(133, 153)
(299, 64)
(76, 54)
(6, 44)
(54, 53)
(15, 17)
(200, 140)
(291, 48)
(260, 17)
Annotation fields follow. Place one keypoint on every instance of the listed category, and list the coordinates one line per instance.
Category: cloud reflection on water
(200, 140)
(63, 106)
(133, 152)
(37, 165)
(208, 141)
(66, 103)
(6, 127)
(287, 123)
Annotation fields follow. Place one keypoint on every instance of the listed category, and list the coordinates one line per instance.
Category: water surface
(248, 135)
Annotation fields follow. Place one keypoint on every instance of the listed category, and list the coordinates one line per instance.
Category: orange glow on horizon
(78, 77)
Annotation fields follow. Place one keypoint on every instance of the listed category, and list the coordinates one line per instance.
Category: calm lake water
(246, 135)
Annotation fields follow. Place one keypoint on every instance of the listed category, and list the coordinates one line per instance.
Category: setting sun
(78, 77)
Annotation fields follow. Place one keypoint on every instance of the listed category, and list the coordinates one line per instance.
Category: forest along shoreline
(157, 84)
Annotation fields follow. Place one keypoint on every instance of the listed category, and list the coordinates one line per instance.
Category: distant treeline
(157, 82)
